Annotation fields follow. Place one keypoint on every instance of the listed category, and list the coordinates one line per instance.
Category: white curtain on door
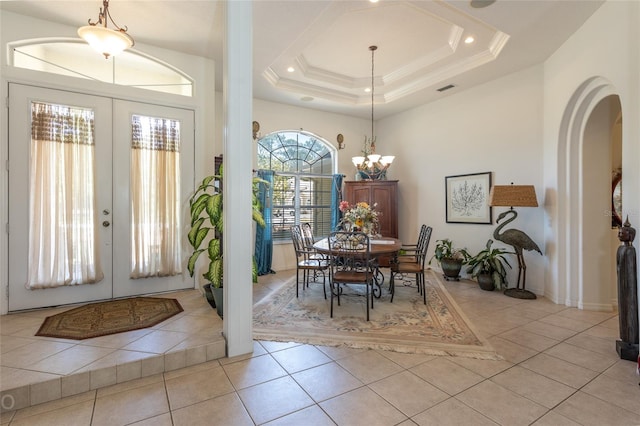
(155, 197)
(63, 248)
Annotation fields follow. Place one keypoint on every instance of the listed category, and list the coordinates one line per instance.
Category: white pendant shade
(104, 40)
(387, 159)
(357, 161)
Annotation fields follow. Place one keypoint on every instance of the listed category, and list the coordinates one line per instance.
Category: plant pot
(218, 296)
(451, 268)
(485, 281)
(209, 295)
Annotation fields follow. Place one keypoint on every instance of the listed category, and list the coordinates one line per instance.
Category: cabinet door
(382, 193)
(384, 196)
(358, 194)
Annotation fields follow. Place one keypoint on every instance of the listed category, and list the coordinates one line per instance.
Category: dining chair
(350, 264)
(409, 250)
(306, 262)
(413, 267)
(309, 240)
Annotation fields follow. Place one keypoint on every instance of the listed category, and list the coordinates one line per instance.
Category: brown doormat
(114, 316)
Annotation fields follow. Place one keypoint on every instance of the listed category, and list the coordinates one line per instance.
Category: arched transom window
(304, 165)
(77, 59)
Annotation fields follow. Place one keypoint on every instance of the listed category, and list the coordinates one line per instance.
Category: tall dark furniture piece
(384, 193)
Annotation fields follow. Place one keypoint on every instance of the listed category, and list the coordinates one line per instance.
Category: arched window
(304, 165)
(129, 68)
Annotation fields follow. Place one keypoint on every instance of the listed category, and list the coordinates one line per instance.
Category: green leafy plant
(445, 250)
(490, 262)
(206, 207)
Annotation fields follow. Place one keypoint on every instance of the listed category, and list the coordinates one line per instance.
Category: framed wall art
(467, 198)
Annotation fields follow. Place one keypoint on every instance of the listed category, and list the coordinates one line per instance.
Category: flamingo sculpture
(518, 240)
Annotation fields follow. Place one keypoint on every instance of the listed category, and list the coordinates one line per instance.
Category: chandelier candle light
(105, 40)
(371, 165)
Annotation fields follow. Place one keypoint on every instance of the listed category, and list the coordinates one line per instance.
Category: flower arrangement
(359, 217)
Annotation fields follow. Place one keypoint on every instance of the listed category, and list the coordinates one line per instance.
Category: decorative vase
(218, 296)
(209, 294)
(451, 268)
(485, 281)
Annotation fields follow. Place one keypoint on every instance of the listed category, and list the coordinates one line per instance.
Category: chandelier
(105, 40)
(371, 165)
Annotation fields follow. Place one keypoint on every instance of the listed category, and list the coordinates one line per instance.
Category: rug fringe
(377, 346)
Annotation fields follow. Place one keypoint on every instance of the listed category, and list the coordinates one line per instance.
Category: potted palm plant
(205, 235)
(488, 267)
(450, 258)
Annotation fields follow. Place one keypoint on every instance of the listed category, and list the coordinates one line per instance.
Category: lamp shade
(105, 40)
(374, 157)
(513, 196)
(357, 161)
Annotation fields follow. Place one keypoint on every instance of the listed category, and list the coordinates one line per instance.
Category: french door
(97, 188)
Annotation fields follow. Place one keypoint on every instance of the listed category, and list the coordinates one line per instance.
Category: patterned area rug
(115, 316)
(406, 325)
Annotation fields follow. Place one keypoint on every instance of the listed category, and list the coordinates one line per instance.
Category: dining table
(379, 246)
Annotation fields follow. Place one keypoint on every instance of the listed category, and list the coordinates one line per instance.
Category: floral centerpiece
(360, 217)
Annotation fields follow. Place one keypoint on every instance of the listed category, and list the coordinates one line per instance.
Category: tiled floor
(560, 368)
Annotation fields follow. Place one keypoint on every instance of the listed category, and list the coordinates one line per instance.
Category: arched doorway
(586, 257)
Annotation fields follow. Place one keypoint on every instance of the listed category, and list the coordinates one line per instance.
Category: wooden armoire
(384, 193)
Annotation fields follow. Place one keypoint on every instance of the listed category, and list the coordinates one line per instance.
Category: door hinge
(6, 165)
(6, 228)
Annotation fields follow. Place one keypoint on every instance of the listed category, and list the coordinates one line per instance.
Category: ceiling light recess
(105, 40)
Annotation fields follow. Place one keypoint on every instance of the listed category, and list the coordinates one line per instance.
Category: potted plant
(488, 267)
(450, 259)
(206, 232)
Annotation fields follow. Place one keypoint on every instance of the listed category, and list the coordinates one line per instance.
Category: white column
(237, 148)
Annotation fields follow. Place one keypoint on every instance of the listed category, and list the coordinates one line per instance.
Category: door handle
(106, 223)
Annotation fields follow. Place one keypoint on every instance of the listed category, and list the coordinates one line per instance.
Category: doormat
(406, 325)
(114, 316)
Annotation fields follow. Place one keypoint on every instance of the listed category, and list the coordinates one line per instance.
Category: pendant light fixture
(372, 166)
(105, 40)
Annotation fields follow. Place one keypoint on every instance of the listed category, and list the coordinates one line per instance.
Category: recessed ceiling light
(367, 90)
(306, 98)
(373, 1)
(469, 40)
(291, 69)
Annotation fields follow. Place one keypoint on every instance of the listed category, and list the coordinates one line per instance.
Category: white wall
(606, 50)
(495, 127)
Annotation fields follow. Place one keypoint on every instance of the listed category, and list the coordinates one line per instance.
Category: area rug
(114, 316)
(406, 325)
